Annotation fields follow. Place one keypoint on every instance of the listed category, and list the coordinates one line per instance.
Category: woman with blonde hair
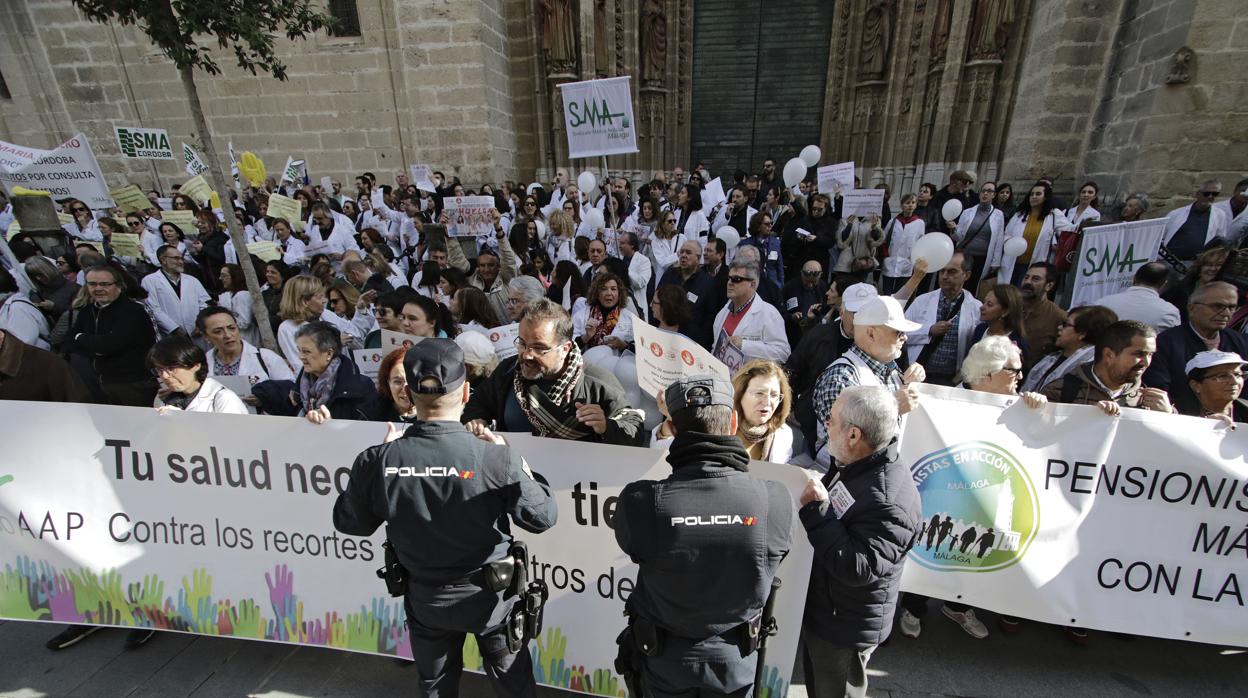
(560, 244)
(303, 300)
(762, 398)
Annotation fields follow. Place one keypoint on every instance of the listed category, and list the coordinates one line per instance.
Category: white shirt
(640, 271)
(897, 263)
(1143, 304)
(213, 397)
(1054, 223)
(175, 310)
(761, 330)
(1219, 220)
(1089, 214)
(1235, 230)
(623, 329)
(20, 318)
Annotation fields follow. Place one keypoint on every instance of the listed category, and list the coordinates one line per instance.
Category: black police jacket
(856, 573)
(446, 498)
(707, 539)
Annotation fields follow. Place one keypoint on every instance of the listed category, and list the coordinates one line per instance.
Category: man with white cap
(944, 321)
(1217, 379)
(880, 328)
(821, 345)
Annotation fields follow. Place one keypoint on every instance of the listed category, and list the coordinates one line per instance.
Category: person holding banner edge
(445, 496)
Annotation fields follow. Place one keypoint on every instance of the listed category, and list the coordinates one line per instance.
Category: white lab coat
(1219, 220)
(697, 224)
(257, 364)
(761, 331)
(923, 311)
(1054, 223)
(665, 253)
(20, 318)
(640, 271)
(897, 263)
(172, 310)
(1089, 214)
(623, 327)
(721, 219)
(1237, 227)
(995, 233)
(213, 397)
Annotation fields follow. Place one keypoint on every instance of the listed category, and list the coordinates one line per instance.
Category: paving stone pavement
(1039, 662)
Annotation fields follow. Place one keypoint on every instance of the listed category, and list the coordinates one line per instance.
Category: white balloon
(936, 248)
(586, 181)
(794, 171)
(730, 236)
(593, 217)
(531, 187)
(1014, 247)
(810, 155)
(951, 210)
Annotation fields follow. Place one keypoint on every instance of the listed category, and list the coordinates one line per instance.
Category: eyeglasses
(79, 209)
(135, 224)
(1232, 377)
(1016, 370)
(336, 301)
(171, 258)
(101, 284)
(523, 348)
(1219, 308)
(161, 370)
(740, 279)
(1209, 194)
(811, 274)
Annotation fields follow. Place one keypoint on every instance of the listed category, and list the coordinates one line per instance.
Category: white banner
(862, 202)
(1111, 254)
(664, 357)
(1065, 515)
(832, 177)
(469, 216)
(598, 115)
(144, 143)
(221, 525)
(68, 170)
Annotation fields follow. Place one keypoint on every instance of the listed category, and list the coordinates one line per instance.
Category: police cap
(698, 391)
(439, 359)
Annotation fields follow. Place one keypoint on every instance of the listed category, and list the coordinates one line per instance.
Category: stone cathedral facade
(1139, 95)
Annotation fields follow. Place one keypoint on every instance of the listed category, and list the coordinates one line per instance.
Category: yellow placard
(285, 207)
(185, 220)
(99, 246)
(266, 250)
(64, 218)
(126, 245)
(130, 198)
(14, 229)
(197, 188)
(298, 226)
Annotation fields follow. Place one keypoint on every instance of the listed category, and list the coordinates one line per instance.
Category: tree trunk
(218, 182)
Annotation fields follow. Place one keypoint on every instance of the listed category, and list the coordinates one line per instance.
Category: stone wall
(426, 82)
(1166, 122)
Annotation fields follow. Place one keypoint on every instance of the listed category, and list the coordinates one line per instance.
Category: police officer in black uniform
(446, 496)
(707, 540)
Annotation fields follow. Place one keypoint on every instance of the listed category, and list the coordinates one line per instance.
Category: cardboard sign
(130, 198)
(830, 176)
(266, 250)
(197, 188)
(126, 245)
(862, 202)
(391, 340)
(69, 170)
(369, 361)
(185, 220)
(664, 357)
(470, 216)
(284, 207)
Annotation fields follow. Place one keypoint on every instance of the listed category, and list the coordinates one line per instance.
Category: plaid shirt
(944, 358)
(839, 376)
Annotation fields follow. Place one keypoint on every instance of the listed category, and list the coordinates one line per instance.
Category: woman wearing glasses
(84, 225)
(182, 370)
(665, 243)
(1217, 380)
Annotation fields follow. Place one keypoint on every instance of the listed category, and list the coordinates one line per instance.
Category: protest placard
(598, 116)
(504, 339)
(862, 202)
(369, 360)
(1109, 256)
(728, 353)
(663, 357)
(64, 218)
(422, 177)
(197, 188)
(144, 143)
(69, 170)
(830, 176)
(191, 162)
(470, 216)
(286, 208)
(126, 245)
(327, 185)
(712, 195)
(391, 340)
(130, 198)
(184, 220)
(266, 250)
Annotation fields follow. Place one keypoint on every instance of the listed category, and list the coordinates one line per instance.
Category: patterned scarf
(606, 326)
(548, 412)
(756, 437)
(315, 392)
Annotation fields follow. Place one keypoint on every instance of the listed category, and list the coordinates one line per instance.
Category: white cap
(856, 296)
(884, 310)
(1209, 359)
(478, 349)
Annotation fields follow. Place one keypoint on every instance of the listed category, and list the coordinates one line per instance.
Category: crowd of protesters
(811, 301)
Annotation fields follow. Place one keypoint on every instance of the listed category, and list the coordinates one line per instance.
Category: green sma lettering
(591, 113)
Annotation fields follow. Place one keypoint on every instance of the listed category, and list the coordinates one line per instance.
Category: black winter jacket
(355, 397)
(115, 339)
(858, 558)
